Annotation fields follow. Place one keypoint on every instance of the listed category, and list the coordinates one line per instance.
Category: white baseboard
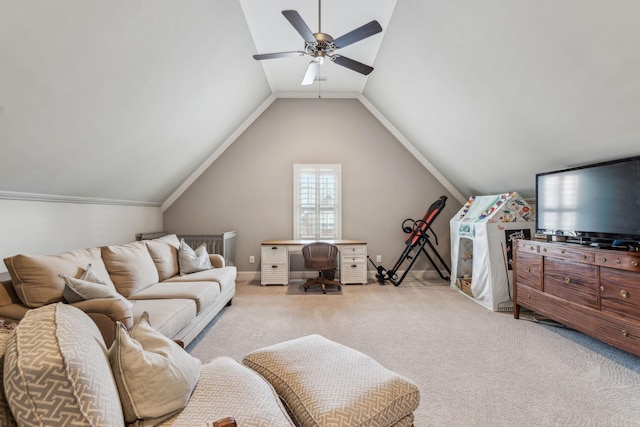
(303, 275)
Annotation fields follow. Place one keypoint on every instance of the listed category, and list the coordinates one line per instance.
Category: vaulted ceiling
(124, 100)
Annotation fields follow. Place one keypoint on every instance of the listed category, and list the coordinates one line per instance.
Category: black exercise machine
(415, 244)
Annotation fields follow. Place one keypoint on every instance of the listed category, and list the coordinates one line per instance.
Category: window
(317, 202)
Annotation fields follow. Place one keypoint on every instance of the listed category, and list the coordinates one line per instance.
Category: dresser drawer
(620, 292)
(529, 269)
(620, 332)
(273, 254)
(528, 246)
(567, 252)
(571, 281)
(630, 262)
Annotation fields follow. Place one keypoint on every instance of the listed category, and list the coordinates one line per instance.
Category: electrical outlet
(252, 259)
(378, 258)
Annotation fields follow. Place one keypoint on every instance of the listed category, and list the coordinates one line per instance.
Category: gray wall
(249, 187)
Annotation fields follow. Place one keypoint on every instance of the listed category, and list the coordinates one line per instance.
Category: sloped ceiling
(124, 100)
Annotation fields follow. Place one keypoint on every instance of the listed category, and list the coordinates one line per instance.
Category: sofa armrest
(217, 260)
(105, 312)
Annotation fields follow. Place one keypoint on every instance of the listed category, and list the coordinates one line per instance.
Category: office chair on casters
(321, 256)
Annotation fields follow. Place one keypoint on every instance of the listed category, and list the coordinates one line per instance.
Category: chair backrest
(320, 256)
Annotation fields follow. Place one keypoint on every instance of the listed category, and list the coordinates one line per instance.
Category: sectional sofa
(180, 288)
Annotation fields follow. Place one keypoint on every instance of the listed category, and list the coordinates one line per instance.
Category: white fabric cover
(482, 232)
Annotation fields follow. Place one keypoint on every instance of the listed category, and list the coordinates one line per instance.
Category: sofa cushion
(6, 418)
(325, 383)
(165, 257)
(35, 277)
(155, 376)
(191, 260)
(168, 316)
(225, 276)
(171, 239)
(130, 266)
(57, 350)
(203, 293)
(227, 388)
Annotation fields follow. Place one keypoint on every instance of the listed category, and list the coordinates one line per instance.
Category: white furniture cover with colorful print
(482, 234)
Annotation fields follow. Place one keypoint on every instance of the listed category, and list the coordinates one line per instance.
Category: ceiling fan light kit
(321, 45)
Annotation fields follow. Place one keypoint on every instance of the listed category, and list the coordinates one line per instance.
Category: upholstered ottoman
(324, 383)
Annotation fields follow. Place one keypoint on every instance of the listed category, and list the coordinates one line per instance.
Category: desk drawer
(274, 254)
(274, 274)
(353, 250)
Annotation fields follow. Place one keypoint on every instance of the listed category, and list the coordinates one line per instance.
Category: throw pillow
(192, 261)
(88, 286)
(56, 371)
(154, 375)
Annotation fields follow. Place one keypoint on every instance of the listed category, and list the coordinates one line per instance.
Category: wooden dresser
(594, 291)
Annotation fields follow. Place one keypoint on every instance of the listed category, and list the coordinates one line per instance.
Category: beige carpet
(473, 367)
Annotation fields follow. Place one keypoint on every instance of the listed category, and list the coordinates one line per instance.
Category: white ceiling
(271, 32)
(125, 100)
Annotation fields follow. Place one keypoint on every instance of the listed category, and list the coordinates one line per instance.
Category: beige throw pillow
(88, 286)
(154, 375)
(192, 261)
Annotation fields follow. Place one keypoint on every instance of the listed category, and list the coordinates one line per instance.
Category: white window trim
(337, 169)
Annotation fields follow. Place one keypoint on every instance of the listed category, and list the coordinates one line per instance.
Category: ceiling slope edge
(412, 149)
(217, 153)
(57, 198)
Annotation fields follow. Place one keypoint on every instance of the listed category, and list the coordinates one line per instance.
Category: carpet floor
(473, 367)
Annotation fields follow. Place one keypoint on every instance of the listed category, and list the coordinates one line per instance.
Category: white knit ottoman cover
(324, 383)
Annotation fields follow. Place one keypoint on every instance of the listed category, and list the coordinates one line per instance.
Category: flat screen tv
(594, 204)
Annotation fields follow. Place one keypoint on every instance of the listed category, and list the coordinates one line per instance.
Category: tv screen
(599, 202)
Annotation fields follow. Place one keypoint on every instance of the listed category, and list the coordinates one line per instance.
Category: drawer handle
(528, 269)
(567, 280)
(625, 333)
(274, 266)
(562, 251)
(354, 265)
(634, 263)
(544, 250)
(603, 259)
(624, 294)
(584, 256)
(601, 288)
(532, 248)
(274, 248)
(618, 261)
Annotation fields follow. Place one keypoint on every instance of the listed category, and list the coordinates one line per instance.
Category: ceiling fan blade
(367, 30)
(312, 72)
(277, 55)
(352, 65)
(298, 23)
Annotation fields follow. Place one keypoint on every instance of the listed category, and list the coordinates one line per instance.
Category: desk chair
(322, 257)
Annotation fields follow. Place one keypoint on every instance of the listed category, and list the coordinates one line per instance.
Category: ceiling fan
(321, 45)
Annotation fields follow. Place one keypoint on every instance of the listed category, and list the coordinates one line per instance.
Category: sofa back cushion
(165, 257)
(35, 277)
(130, 267)
(57, 371)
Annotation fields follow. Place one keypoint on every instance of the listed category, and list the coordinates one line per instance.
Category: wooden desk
(274, 260)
